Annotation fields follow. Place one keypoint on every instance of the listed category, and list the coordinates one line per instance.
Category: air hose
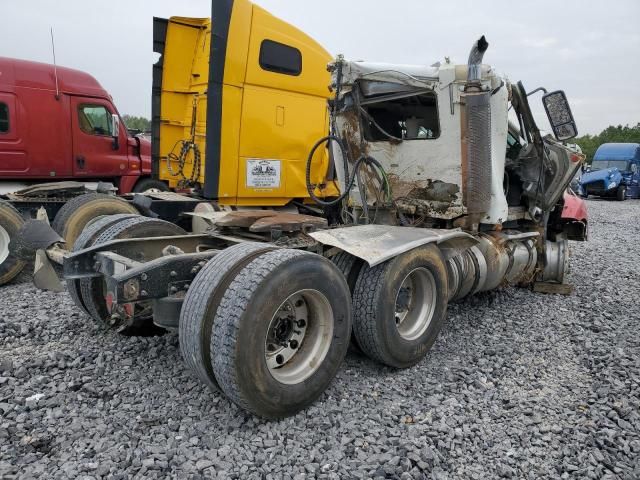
(364, 159)
(181, 160)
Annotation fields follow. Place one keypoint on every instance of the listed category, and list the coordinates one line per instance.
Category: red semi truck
(65, 149)
(61, 124)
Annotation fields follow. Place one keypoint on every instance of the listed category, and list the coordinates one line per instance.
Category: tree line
(137, 123)
(620, 134)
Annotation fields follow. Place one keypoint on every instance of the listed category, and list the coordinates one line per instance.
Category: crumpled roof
(419, 76)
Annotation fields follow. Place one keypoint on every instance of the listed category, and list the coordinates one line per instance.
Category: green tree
(611, 134)
(137, 123)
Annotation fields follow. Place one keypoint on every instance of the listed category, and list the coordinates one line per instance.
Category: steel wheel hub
(299, 336)
(415, 303)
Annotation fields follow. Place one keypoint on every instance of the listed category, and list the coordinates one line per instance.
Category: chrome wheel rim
(4, 244)
(415, 303)
(299, 336)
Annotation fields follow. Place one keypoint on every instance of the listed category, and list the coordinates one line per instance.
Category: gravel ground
(518, 385)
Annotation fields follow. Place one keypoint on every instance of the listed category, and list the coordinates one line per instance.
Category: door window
(414, 117)
(280, 58)
(4, 118)
(94, 120)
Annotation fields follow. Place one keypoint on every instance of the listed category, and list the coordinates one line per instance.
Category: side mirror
(560, 116)
(115, 130)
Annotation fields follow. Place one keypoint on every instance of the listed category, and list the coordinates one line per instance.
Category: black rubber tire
(85, 240)
(77, 212)
(201, 304)
(148, 184)
(91, 289)
(374, 303)
(242, 320)
(621, 193)
(350, 267)
(10, 221)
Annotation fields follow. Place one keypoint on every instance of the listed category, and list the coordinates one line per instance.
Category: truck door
(284, 110)
(94, 150)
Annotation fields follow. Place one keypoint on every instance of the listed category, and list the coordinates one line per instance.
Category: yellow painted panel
(231, 114)
(265, 114)
(235, 64)
(314, 78)
(303, 123)
(184, 83)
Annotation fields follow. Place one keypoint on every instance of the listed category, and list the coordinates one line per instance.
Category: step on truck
(422, 193)
(63, 148)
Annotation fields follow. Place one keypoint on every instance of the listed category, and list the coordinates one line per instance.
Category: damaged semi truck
(430, 194)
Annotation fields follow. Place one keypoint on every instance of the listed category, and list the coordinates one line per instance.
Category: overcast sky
(589, 48)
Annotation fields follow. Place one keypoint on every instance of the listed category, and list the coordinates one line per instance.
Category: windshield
(621, 165)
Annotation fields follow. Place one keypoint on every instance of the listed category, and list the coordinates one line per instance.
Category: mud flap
(44, 275)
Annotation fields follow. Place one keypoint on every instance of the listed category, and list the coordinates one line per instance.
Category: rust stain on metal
(429, 198)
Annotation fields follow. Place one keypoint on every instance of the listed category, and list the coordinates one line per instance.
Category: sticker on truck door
(263, 173)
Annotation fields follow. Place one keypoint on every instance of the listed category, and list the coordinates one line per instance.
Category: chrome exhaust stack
(476, 139)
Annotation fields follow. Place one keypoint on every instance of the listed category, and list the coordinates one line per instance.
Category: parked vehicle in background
(64, 148)
(57, 123)
(614, 172)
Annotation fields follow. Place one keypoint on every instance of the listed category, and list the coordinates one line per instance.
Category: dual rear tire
(89, 294)
(400, 306)
(277, 327)
(270, 327)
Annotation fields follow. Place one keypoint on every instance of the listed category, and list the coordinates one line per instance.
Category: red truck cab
(61, 124)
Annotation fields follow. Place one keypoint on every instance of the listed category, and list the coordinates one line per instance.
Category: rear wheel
(281, 332)
(150, 185)
(85, 240)
(350, 267)
(400, 306)
(201, 304)
(79, 211)
(10, 223)
(93, 290)
(621, 193)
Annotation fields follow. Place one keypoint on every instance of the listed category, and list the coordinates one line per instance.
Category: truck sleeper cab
(239, 126)
(58, 124)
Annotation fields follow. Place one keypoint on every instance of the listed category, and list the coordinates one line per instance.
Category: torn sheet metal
(377, 243)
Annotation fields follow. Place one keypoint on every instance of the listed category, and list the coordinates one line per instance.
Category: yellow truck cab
(236, 116)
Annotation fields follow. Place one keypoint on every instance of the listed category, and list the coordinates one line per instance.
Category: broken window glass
(412, 117)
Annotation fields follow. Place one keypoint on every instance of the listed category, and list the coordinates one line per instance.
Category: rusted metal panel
(378, 243)
(244, 218)
(288, 222)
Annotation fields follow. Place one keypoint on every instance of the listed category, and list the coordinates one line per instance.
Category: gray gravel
(519, 385)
